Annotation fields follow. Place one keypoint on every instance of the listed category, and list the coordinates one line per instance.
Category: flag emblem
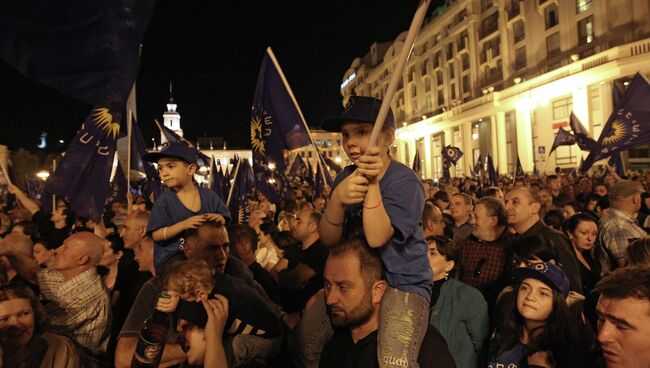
(617, 134)
(257, 139)
(104, 121)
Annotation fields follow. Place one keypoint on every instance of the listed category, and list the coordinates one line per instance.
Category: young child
(382, 200)
(189, 282)
(184, 206)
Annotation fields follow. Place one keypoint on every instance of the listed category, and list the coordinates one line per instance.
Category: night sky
(212, 52)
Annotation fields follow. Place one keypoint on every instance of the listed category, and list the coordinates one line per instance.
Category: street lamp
(271, 166)
(43, 175)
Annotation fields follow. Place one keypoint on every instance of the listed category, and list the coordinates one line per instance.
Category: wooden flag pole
(418, 18)
(234, 181)
(5, 172)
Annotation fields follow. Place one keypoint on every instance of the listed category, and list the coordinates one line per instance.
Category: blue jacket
(461, 316)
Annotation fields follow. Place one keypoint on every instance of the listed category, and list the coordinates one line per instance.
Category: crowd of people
(381, 270)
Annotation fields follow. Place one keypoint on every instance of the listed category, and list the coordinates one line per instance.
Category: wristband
(327, 218)
(370, 207)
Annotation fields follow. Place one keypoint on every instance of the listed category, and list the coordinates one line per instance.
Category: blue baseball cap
(358, 108)
(548, 273)
(173, 150)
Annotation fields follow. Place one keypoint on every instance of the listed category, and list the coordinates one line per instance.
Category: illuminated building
(500, 77)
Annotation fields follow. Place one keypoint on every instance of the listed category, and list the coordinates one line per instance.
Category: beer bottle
(151, 342)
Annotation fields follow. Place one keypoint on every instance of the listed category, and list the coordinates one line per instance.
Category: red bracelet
(373, 206)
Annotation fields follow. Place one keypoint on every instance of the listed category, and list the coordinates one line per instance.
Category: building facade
(500, 77)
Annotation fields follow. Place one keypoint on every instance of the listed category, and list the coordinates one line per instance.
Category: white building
(500, 77)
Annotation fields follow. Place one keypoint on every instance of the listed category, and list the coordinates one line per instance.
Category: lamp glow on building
(338, 160)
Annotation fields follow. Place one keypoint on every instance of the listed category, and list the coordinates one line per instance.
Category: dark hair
(593, 197)
(563, 335)
(550, 178)
(70, 218)
(571, 224)
(45, 242)
(29, 228)
(494, 207)
(284, 240)
(194, 233)
(269, 228)
(370, 265)
(628, 282)
(532, 247)
(577, 206)
(447, 249)
(441, 195)
(554, 218)
(15, 291)
(243, 232)
(603, 203)
(466, 198)
(117, 244)
(491, 191)
(638, 253)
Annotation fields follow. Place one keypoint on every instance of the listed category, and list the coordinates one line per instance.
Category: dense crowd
(381, 270)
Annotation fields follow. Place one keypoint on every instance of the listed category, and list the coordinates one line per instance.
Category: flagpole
(53, 195)
(5, 172)
(399, 68)
(234, 181)
(129, 129)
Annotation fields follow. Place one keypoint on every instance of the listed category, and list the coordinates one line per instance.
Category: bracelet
(369, 207)
(327, 218)
(165, 233)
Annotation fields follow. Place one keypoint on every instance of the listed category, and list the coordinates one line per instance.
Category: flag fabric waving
(452, 154)
(417, 164)
(519, 170)
(238, 200)
(82, 176)
(492, 172)
(276, 123)
(202, 159)
(628, 126)
(563, 138)
(581, 134)
(215, 179)
(478, 166)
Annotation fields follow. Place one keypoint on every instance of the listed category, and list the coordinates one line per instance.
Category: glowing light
(338, 160)
(271, 165)
(474, 136)
(61, 141)
(43, 175)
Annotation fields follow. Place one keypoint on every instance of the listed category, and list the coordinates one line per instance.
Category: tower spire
(171, 91)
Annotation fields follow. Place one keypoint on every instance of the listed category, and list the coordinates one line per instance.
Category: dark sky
(212, 52)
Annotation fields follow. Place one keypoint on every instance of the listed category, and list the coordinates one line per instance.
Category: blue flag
(298, 168)
(85, 49)
(519, 171)
(215, 179)
(202, 159)
(478, 166)
(563, 138)
(243, 184)
(628, 126)
(581, 134)
(277, 126)
(83, 174)
(452, 154)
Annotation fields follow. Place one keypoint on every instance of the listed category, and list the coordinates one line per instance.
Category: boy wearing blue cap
(184, 206)
(381, 200)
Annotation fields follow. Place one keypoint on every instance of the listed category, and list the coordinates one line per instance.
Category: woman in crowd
(458, 310)
(638, 253)
(539, 328)
(24, 342)
(42, 251)
(582, 231)
(267, 251)
(113, 251)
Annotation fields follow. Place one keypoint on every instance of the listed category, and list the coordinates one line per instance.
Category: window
(453, 91)
(586, 30)
(466, 84)
(450, 51)
(413, 90)
(410, 74)
(452, 71)
(553, 45)
(490, 24)
(462, 41)
(429, 104)
(518, 31)
(465, 61)
(441, 97)
(436, 60)
(415, 106)
(562, 108)
(520, 58)
(582, 5)
(486, 4)
(439, 80)
(551, 16)
(494, 46)
(423, 69)
(427, 84)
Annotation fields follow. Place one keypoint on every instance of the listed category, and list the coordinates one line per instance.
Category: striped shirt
(616, 231)
(78, 308)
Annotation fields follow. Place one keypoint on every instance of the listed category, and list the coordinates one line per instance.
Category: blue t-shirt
(513, 358)
(405, 254)
(168, 210)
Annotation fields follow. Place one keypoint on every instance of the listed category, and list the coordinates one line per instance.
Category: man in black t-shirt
(354, 287)
(303, 276)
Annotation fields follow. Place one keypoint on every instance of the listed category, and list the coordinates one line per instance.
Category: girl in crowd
(582, 231)
(458, 310)
(539, 328)
(267, 253)
(25, 344)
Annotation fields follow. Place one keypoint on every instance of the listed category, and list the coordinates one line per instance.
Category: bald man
(77, 302)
